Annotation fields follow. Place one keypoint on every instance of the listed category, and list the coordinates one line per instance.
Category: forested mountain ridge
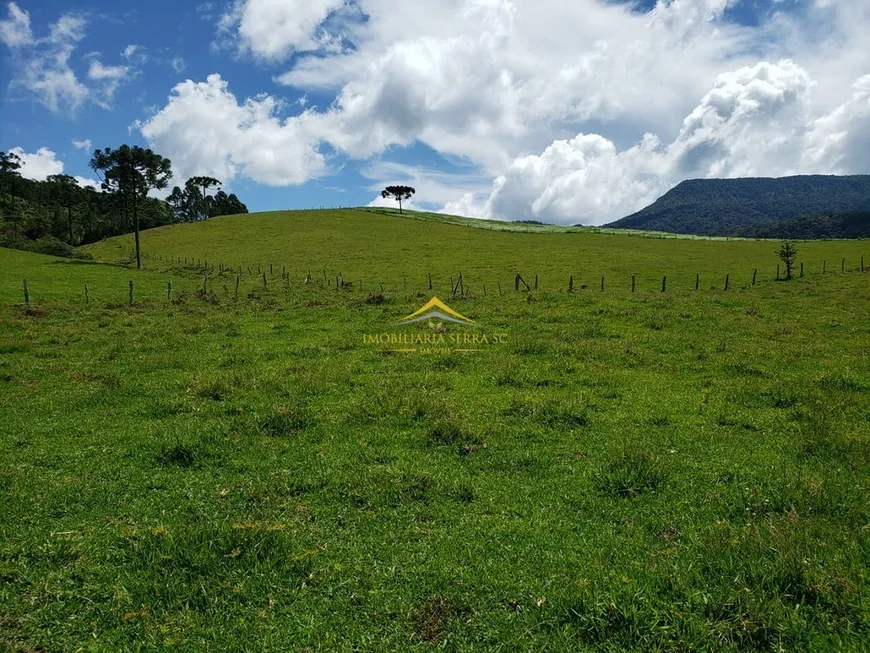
(747, 206)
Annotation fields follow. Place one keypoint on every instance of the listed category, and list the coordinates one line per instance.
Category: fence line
(457, 288)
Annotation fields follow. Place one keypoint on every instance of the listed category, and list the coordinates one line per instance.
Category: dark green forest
(812, 206)
(850, 224)
(56, 215)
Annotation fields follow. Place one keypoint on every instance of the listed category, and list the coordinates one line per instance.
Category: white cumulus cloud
(38, 165)
(756, 121)
(273, 29)
(43, 163)
(204, 129)
(578, 111)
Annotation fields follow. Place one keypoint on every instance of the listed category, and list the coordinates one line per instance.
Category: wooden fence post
(824, 266)
(131, 292)
(26, 294)
(430, 281)
(697, 281)
(802, 269)
(570, 283)
(602, 284)
(664, 283)
(754, 274)
(520, 278)
(87, 295)
(632, 283)
(536, 282)
(270, 268)
(843, 265)
(777, 271)
(726, 281)
(500, 291)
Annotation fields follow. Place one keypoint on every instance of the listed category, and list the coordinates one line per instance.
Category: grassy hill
(383, 248)
(617, 472)
(744, 207)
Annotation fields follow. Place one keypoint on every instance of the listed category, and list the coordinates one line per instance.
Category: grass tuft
(179, 455)
(285, 421)
(631, 473)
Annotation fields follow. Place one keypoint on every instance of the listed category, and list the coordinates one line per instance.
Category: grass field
(627, 471)
(380, 248)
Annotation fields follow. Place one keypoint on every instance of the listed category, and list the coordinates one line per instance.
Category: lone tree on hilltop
(398, 193)
(787, 254)
(131, 172)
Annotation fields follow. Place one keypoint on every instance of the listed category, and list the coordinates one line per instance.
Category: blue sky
(513, 109)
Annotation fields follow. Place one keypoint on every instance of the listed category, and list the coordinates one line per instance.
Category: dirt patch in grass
(432, 618)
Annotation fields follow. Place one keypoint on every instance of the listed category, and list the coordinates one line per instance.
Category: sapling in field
(788, 254)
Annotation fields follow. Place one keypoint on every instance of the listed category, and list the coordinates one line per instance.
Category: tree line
(55, 215)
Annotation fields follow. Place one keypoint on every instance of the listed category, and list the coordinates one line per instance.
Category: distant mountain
(748, 206)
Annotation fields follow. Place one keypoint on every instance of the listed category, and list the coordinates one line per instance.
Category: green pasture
(240, 471)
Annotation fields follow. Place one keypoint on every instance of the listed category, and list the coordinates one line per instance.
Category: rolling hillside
(744, 207)
(384, 248)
